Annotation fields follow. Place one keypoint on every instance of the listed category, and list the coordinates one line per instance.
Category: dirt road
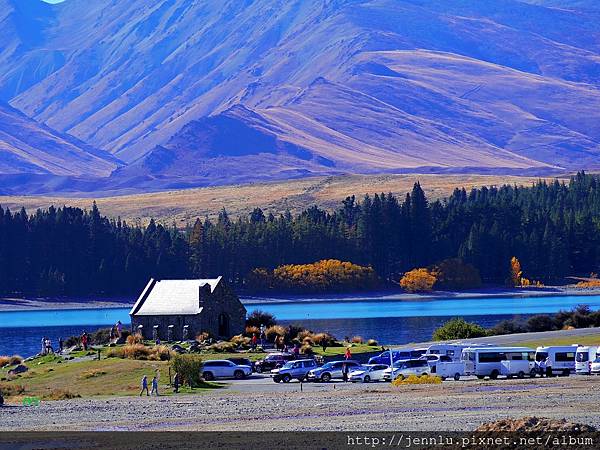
(263, 405)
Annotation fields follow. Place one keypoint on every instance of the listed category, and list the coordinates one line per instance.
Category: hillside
(26, 147)
(206, 93)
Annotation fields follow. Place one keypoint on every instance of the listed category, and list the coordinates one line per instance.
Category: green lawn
(567, 340)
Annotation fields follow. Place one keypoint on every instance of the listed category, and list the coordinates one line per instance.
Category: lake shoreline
(41, 304)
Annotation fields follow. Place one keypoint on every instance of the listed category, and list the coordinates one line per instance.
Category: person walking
(254, 341)
(61, 345)
(176, 383)
(542, 367)
(154, 386)
(348, 353)
(119, 328)
(144, 386)
(345, 372)
(44, 345)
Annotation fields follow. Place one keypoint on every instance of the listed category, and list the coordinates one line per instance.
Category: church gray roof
(172, 297)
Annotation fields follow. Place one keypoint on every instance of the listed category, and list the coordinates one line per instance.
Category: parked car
(367, 373)
(332, 370)
(242, 362)
(223, 368)
(272, 361)
(297, 369)
(397, 355)
(595, 366)
(404, 369)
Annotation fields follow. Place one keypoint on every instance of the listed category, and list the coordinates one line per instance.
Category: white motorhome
(559, 360)
(584, 356)
(494, 361)
(451, 349)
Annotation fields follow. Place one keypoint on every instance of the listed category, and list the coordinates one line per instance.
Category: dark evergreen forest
(553, 228)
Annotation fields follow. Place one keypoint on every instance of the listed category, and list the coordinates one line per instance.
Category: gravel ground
(261, 405)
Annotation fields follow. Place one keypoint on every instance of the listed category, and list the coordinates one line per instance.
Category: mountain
(26, 147)
(198, 93)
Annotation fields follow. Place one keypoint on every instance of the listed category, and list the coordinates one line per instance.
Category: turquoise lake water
(397, 321)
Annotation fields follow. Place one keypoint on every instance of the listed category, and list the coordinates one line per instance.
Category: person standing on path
(144, 386)
(61, 345)
(176, 383)
(348, 353)
(44, 345)
(154, 386)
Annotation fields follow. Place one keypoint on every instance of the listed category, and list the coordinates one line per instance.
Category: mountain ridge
(325, 87)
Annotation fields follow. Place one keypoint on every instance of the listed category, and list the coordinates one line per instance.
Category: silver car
(222, 368)
(368, 372)
(332, 370)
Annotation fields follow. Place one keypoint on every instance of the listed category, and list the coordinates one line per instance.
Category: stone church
(175, 310)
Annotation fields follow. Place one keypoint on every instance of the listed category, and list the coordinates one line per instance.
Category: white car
(595, 367)
(223, 368)
(404, 369)
(368, 372)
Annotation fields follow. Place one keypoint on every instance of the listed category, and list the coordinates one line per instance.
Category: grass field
(53, 378)
(184, 206)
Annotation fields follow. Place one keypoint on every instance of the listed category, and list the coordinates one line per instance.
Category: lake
(387, 321)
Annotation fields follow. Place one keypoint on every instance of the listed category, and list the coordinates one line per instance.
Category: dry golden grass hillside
(183, 206)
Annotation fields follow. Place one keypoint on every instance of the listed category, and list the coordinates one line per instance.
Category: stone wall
(222, 315)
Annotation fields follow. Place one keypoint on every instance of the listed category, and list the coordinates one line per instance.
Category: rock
(533, 424)
(19, 369)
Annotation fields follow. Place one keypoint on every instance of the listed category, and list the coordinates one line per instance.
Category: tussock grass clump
(307, 350)
(413, 379)
(372, 343)
(223, 347)
(134, 339)
(92, 374)
(140, 352)
(10, 390)
(60, 394)
(273, 331)
(10, 360)
(323, 338)
(357, 340)
(250, 330)
(4, 361)
(240, 341)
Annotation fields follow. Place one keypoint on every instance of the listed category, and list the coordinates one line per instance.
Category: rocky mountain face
(212, 92)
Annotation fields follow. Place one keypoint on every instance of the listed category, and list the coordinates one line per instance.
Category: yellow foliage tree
(418, 280)
(516, 274)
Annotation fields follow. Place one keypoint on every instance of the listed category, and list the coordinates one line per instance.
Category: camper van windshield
(541, 356)
(582, 357)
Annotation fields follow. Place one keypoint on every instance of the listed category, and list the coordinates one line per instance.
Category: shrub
(60, 394)
(458, 328)
(134, 339)
(71, 341)
(455, 274)
(100, 337)
(250, 330)
(129, 351)
(508, 327)
(418, 280)
(413, 379)
(10, 390)
(203, 336)
(323, 338)
(240, 341)
(307, 349)
(162, 352)
(4, 361)
(275, 330)
(293, 331)
(541, 322)
(594, 283)
(223, 347)
(372, 343)
(304, 334)
(258, 318)
(189, 368)
(357, 340)
(15, 360)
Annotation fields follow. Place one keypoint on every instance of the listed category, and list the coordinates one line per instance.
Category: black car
(272, 361)
(242, 362)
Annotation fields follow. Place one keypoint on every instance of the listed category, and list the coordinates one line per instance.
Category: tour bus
(495, 361)
(451, 349)
(584, 356)
(559, 360)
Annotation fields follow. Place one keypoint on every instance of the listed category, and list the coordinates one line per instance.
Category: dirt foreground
(261, 405)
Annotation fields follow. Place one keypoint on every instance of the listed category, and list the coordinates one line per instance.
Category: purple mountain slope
(195, 93)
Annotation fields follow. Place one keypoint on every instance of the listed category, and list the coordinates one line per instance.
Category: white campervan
(451, 349)
(584, 356)
(494, 361)
(560, 360)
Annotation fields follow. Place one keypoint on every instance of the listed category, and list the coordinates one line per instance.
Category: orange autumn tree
(516, 276)
(418, 280)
